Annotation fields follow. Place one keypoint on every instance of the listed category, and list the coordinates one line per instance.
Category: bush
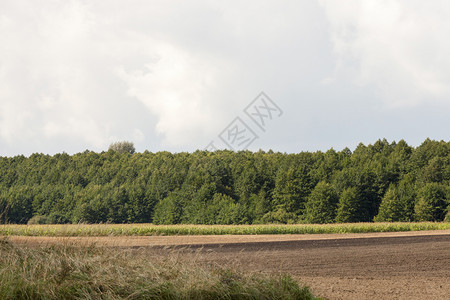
(280, 216)
(38, 220)
(57, 218)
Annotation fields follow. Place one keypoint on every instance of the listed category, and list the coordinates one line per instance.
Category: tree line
(380, 182)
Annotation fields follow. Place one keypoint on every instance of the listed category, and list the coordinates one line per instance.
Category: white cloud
(177, 88)
(57, 81)
(41, 75)
(138, 135)
(401, 47)
(78, 75)
(70, 70)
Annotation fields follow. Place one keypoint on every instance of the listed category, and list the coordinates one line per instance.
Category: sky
(185, 75)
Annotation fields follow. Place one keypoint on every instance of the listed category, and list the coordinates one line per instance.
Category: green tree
(433, 171)
(349, 206)
(292, 186)
(122, 147)
(388, 180)
(406, 190)
(168, 210)
(260, 205)
(223, 210)
(321, 204)
(432, 203)
(20, 199)
(391, 208)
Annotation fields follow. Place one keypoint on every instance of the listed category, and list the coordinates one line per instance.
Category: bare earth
(404, 265)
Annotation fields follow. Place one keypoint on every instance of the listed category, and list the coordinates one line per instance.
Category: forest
(386, 181)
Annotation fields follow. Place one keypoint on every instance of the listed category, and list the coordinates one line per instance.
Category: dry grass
(150, 229)
(186, 240)
(66, 272)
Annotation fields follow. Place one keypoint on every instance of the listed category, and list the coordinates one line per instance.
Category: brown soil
(407, 265)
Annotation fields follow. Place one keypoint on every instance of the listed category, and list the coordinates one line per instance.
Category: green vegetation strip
(150, 229)
(61, 272)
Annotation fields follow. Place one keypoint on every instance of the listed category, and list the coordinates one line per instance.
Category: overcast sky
(173, 75)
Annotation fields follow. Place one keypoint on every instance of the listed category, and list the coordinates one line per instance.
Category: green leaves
(321, 204)
(432, 203)
(349, 206)
(122, 147)
(383, 182)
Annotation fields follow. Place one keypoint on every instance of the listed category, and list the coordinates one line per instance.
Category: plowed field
(411, 265)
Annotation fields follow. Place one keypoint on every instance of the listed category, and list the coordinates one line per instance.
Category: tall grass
(63, 272)
(149, 229)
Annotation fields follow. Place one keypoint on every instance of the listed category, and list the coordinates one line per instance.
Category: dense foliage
(382, 182)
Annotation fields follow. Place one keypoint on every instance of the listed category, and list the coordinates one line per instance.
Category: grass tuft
(65, 272)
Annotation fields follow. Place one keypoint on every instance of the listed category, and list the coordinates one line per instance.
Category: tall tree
(432, 203)
(349, 206)
(321, 204)
(123, 147)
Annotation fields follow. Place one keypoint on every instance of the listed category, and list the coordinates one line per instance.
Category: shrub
(37, 220)
(57, 218)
